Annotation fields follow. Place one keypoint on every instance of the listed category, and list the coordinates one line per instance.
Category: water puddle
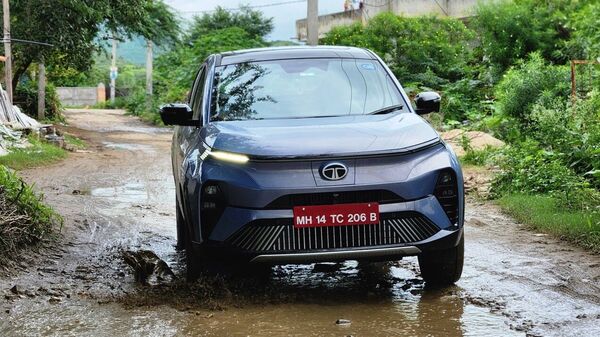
(136, 129)
(128, 193)
(129, 147)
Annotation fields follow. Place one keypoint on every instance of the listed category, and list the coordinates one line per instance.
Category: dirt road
(120, 197)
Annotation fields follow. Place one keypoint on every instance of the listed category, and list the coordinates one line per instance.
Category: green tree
(74, 27)
(511, 29)
(584, 25)
(256, 25)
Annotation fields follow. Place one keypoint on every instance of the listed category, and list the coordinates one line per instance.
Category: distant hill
(133, 51)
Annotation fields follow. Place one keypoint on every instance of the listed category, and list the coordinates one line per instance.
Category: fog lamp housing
(446, 192)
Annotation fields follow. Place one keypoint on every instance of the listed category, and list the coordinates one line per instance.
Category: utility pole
(41, 91)
(312, 23)
(149, 74)
(7, 51)
(113, 70)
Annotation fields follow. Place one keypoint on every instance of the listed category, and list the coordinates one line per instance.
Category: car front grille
(279, 235)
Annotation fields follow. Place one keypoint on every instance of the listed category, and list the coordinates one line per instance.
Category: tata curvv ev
(307, 154)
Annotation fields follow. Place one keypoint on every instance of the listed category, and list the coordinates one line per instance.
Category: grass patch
(24, 219)
(75, 142)
(544, 214)
(39, 154)
(481, 157)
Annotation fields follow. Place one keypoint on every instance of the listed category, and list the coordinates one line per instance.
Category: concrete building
(370, 8)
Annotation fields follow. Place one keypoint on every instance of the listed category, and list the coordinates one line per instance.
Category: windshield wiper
(386, 110)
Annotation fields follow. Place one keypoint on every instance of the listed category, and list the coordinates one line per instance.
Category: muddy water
(515, 282)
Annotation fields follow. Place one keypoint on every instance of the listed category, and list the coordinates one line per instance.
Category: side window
(198, 94)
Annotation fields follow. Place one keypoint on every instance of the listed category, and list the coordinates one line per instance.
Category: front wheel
(443, 267)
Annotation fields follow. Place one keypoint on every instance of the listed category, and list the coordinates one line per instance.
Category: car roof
(295, 52)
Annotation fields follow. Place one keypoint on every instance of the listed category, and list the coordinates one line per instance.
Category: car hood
(321, 137)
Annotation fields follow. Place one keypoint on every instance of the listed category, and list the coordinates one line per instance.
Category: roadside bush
(26, 98)
(511, 29)
(24, 218)
(465, 99)
(572, 131)
(528, 168)
(136, 105)
(529, 83)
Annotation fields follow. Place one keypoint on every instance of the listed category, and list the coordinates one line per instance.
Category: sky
(284, 16)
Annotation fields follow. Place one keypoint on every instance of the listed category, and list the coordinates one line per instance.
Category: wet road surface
(119, 196)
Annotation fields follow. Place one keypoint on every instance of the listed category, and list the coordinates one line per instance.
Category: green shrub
(511, 29)
(527, 168)
(479, 157)
(530, 82)
(25, 218)
(572, 131)
(137, 105)
(26, 98)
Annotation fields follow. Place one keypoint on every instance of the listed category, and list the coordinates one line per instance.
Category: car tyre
(193, 261)
(443, 267)
(181, 228)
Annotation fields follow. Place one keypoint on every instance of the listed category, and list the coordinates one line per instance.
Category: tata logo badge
(334, 171)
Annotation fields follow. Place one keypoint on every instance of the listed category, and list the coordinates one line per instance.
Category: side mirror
(177, 114)
(427, 101)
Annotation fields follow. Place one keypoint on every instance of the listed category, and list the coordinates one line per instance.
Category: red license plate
(336, 215)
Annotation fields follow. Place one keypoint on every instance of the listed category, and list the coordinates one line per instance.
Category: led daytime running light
(228, 156)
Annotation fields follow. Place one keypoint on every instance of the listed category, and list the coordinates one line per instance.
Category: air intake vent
(333, 198)
(279, 235)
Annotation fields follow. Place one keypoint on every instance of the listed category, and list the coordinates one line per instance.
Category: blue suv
(308, 154)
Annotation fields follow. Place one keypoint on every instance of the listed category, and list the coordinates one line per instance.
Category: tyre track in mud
(119, 196)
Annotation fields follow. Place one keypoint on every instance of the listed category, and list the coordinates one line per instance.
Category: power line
(29, 42)
(253, 6)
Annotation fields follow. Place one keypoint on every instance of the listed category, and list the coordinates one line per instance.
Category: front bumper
(256, 221)
(268, 236)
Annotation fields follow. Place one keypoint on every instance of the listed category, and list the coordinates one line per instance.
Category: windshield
(301, 88)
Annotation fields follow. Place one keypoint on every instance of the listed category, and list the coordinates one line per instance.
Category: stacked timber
(12, 119)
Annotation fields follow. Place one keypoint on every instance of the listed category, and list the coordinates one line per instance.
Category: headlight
(230, 157)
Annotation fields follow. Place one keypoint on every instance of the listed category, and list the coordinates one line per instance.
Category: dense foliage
(26, 97)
